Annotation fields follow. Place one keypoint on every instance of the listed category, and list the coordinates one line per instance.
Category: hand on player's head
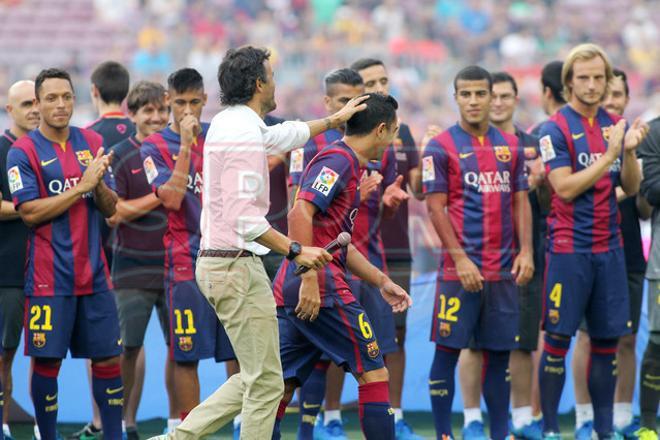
(352, 107)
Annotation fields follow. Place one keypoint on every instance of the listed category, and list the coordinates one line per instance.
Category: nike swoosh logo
(115, 391)
(576, 136)
(47, 162)
(464, 155)
(310, 405)
(435, 382)
(50, 398)
(136, 171)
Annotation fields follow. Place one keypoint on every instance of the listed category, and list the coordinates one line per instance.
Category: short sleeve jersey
(301, 157)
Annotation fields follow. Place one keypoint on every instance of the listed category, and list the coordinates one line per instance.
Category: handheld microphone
(342, 240)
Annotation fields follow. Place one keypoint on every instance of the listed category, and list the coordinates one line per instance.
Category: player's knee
(105, 362)
(47, 367)
(186, 367)
(379, 375)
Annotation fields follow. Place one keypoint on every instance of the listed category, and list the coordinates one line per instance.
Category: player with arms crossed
(587, 153)
(474, 179)
(56, 179)
(317, 311)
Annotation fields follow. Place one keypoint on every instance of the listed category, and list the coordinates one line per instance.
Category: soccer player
(172, 162)
(139, 255)
(317, 311)
(395, 234)
(616, 102)
(24, 113)
(503, 106)
(55, 175)
(586, 156)
(476, 193)
(649, 153)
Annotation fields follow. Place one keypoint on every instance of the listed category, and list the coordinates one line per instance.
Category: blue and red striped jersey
(64, 255)
(159, 153)
(331, 183)
(479, 177)
(590, 223)
(301, 157)
(367, 237)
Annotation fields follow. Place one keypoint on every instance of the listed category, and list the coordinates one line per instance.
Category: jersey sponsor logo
(547, 149)
(325, 181)
(39, 339)
(502, 153)
(372, 349)
(150, 169)
(15, 181)
(297, 159)
(45, 163)
(84, 157)
(57, 186)
(577, 136)
(587, 159)
(489, 181)
(428, 169)
(195, 183)
(465, 155)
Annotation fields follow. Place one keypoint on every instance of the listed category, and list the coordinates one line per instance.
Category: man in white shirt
(235, 232)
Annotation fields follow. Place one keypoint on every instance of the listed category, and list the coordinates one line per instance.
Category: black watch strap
(295, 249)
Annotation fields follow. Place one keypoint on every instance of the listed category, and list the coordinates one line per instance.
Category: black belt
(219, 253)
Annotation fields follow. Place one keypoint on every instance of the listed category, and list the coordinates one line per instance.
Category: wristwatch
(294, 250)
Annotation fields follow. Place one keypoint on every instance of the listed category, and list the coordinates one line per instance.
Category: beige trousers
(240, 292)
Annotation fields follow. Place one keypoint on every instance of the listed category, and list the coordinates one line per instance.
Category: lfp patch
(297, 157)
(150, 169)
(428, 170)
(547, 149)
(325, 181)
(15, 181)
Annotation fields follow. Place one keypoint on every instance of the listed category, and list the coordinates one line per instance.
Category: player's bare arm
(569, 185)
(630, 172)
(7, 210)
(129, 210)
(394, 294)
(393, 196)
(105, 199)
(523, 264)
(174, 190)
(467, 271)
(38, 211)
(353, 106)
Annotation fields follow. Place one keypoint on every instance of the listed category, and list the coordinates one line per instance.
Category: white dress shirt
(236, 194)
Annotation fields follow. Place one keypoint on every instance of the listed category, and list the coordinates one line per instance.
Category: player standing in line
(326, 205)
(587, 153)
(110, 82)
(616, 102)
(55, 176)
(139, 254)
(503, 106)
(172, 161)
(24, 113)
(649, 378)
(476, 193)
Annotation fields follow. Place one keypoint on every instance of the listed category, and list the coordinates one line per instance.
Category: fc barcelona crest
(84, 157)
(503, 153)
(185, 343)
(445, 329)
(372, 349)
(553, 316)
(39, 340)
(606, 132)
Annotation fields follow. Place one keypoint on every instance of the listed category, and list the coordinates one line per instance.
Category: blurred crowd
(423, 43)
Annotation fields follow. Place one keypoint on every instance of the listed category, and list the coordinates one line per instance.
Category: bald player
(22, 109)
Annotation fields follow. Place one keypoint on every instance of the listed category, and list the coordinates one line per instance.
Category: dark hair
(143, 93)
(238, 74)
(621, 74)
(342, 76)
(380, 108)
(551, 78)
(49, 74)
(185, 80)
(473, 73)
(500, 77)
(112, 81)
(365, 63)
